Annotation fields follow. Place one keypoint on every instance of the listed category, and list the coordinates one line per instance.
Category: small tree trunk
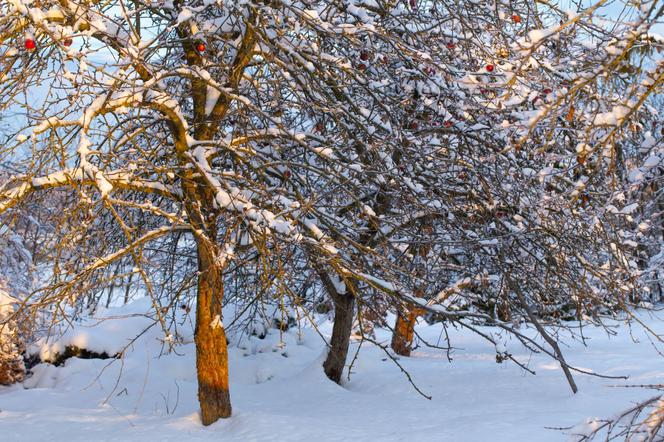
(211, 346)
(503, 309)
(404, 331)
(344, 307)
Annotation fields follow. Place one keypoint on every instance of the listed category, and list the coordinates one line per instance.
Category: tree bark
(211, 347)
(404, 331)
(344, 308)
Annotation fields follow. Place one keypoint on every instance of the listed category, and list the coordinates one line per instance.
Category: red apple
(516, 19)
(364, 55)
(200, 47)
(30, 44)
(489, 67)
(67, 42)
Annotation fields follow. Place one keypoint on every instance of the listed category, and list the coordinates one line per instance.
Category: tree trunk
(211, 346)
(344, 307)
(404, 331)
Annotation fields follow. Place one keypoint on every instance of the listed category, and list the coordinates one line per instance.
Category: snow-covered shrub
(12, 369)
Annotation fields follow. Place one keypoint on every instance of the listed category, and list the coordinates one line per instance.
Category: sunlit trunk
(211, 346)
(404, 332)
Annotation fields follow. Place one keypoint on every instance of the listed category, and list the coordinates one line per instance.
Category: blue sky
(615, 9)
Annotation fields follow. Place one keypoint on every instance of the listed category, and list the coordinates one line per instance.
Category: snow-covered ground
(280, 393)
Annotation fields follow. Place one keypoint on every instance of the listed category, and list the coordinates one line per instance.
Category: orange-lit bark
(404, 331)
(211, 350)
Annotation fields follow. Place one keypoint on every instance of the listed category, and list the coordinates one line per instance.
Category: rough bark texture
(344, 307)
(404, 332)
(211, 350)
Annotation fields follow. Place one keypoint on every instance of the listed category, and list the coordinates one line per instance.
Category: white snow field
(280, 393)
